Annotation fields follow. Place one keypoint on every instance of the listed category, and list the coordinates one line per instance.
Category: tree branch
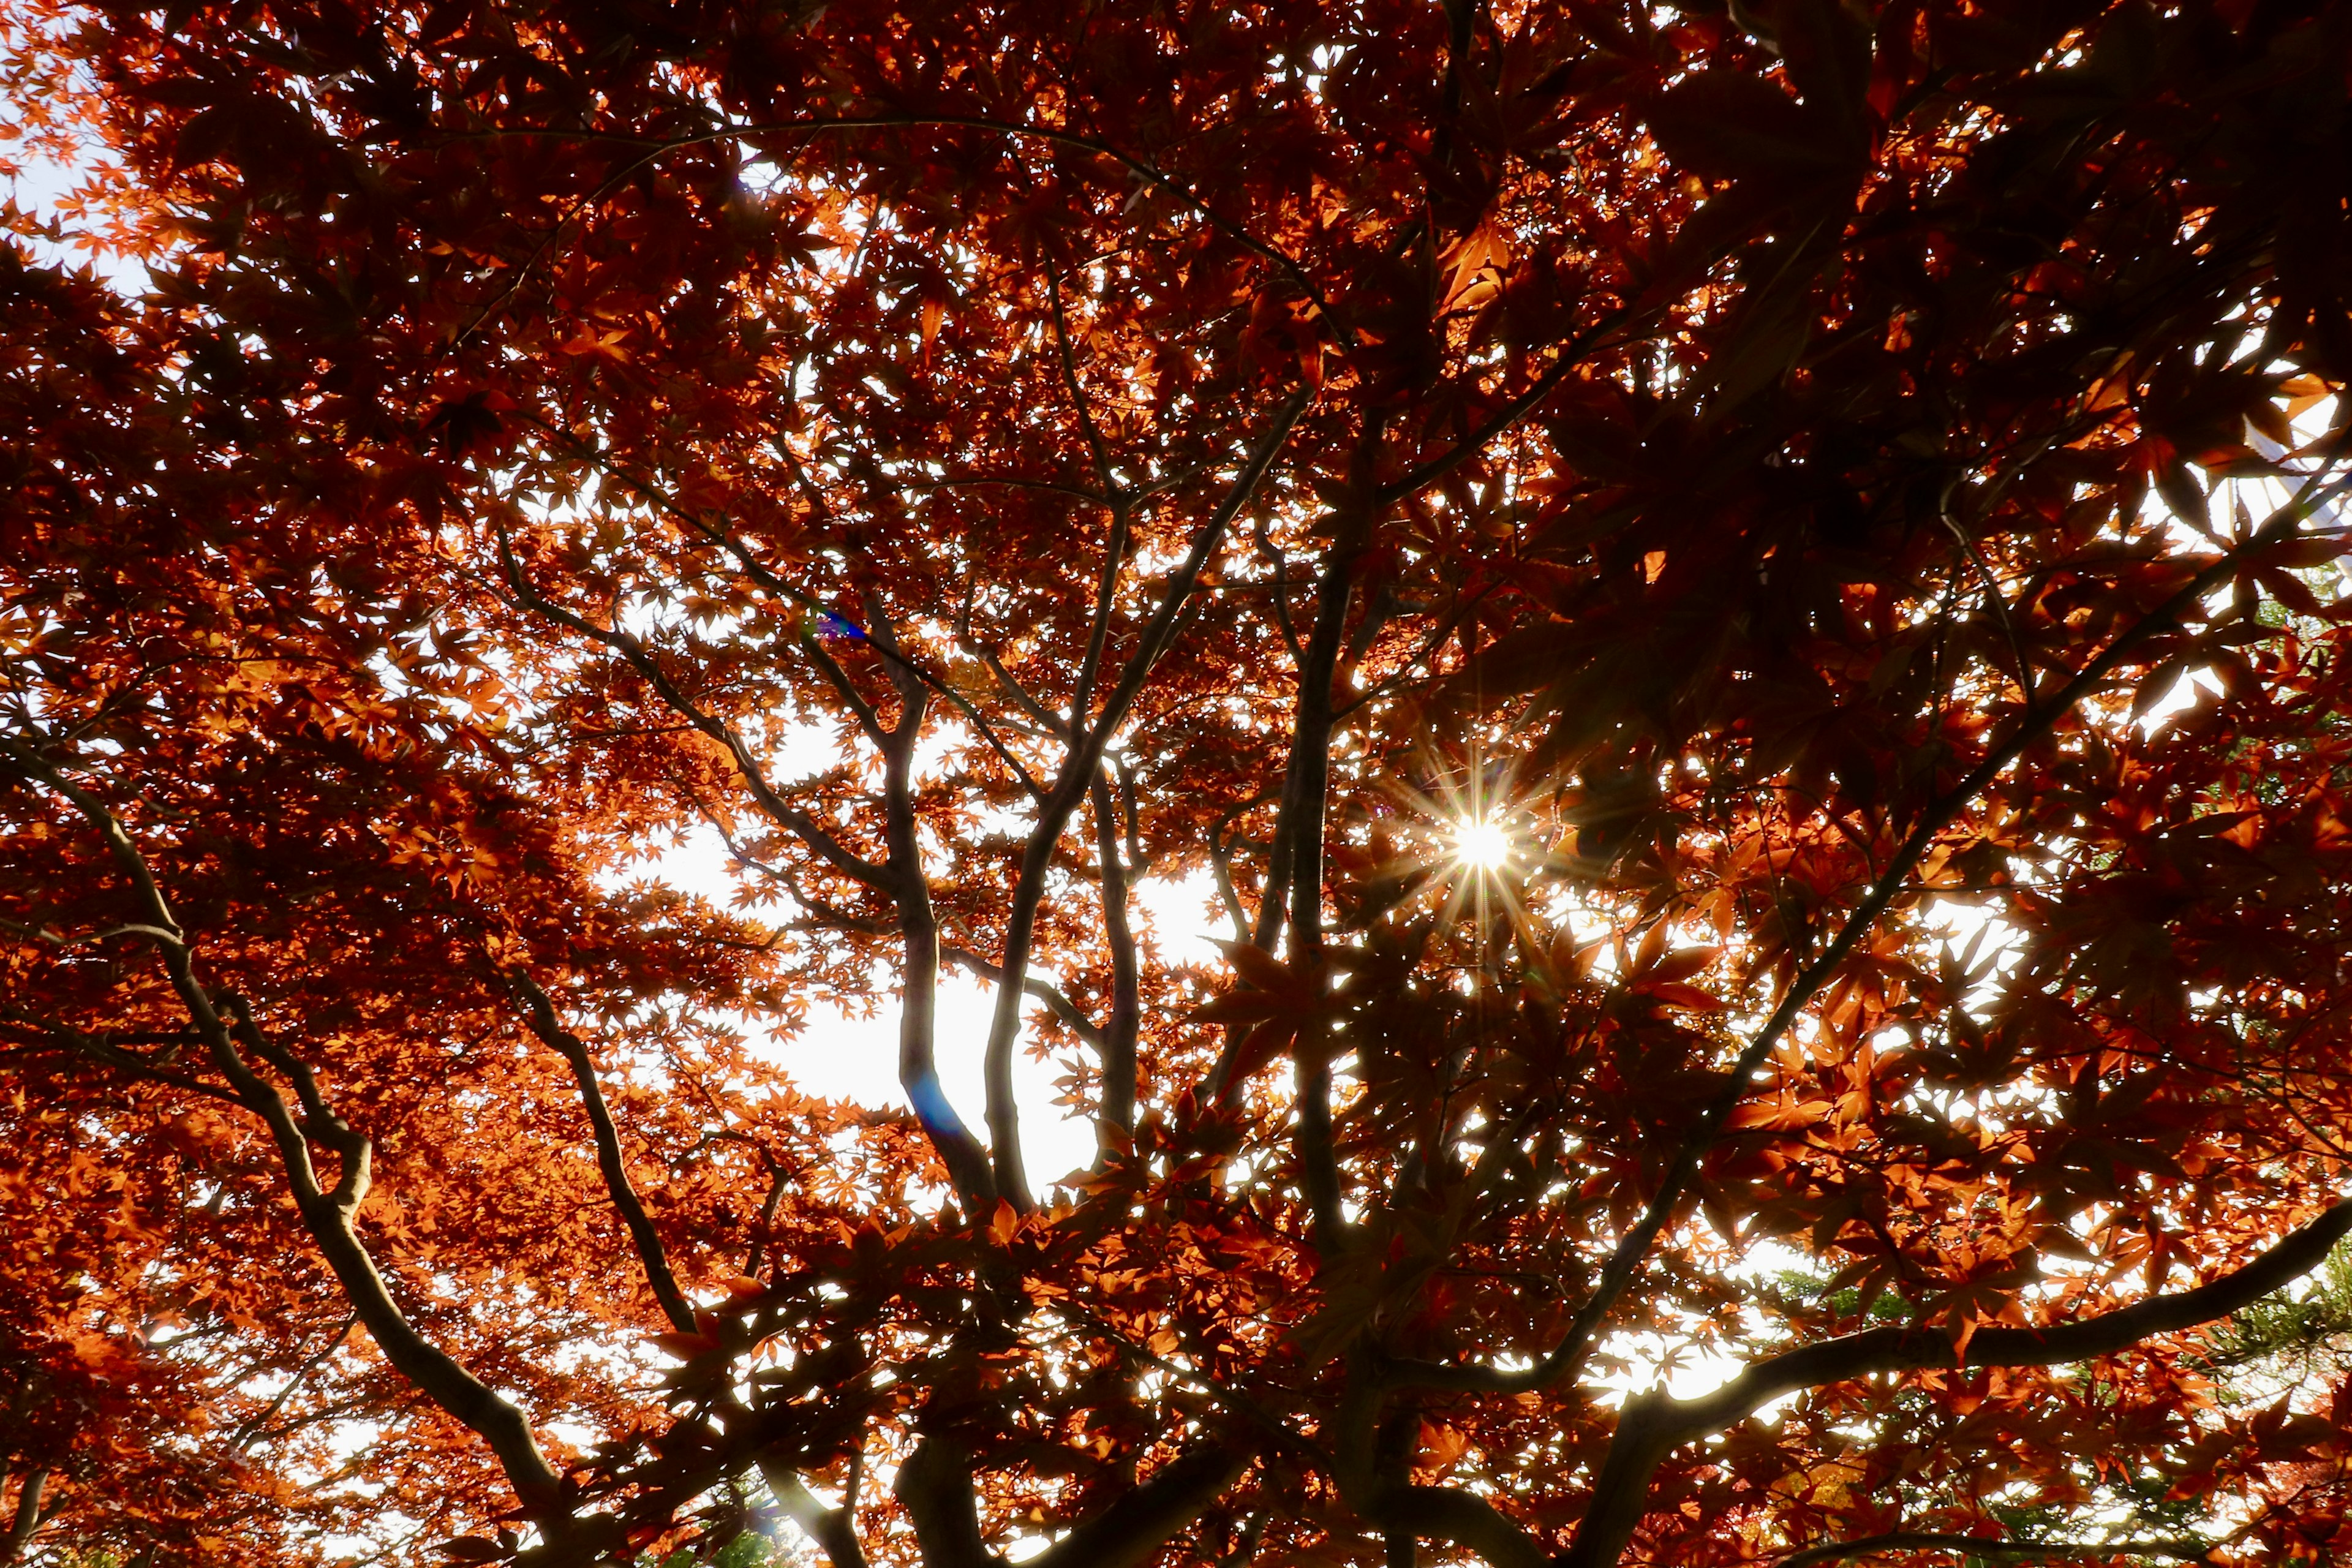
(1272, 553)
(609, 1157)
(1298, 837)
(1990, 1547)
(1655, 1424)
(326, 1215)
(918, 931)
(1055, 1001)
(247, 1431)
(1468, 1520)
(1080, 765)
(75, 1042)
(782, 811)
(833, 1529)
(935, 1487)
(759, 571)
(1149, 174)
(1118, 1046)
(1221, 865)
(27, 1517)
(1094, 447)
(1617, 1273)
(1148, 1517)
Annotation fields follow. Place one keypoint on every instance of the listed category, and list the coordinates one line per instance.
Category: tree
(1739, 611)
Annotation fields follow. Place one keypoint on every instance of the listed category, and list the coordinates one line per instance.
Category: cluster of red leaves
(972, 462)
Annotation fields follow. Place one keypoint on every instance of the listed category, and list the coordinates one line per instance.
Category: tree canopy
(1736, 615)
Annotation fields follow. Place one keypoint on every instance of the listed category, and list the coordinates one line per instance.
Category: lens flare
(1484, 845)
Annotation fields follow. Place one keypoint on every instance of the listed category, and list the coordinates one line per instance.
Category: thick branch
(1118, 1046)
(27, 1517)
(936, 1488)
(609, 1159)
(833, 1529)
(919, 934)
(1148, 1517)
(1446, 1513)
(1298, 842)
(1979, 1546)
(1273, 898)
(326, 1214)
(1080, 765)
(1655, 1425)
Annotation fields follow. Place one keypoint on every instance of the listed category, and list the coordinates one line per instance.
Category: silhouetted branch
(327, 1214)
(1992, 1547)
(1080, 765)
(1655, 1424)
(1625, 1259)
(609, 1157)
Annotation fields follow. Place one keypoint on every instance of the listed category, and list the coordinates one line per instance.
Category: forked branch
(633, 652)
(224, 1024)
(1081, 764)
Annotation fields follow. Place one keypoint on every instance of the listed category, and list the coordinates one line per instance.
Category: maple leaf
(1279, 1006)
(1748, 600)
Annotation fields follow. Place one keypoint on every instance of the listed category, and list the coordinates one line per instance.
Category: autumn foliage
(1735, 619)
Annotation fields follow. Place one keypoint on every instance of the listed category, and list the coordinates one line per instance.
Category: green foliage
(2289, 1335)
(752, 1549)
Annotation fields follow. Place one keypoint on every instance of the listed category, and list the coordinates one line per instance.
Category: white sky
(841, 1055)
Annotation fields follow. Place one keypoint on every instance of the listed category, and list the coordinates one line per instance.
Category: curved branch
(1446, 1513)
(248, 1430)
(964, 1155)
(1148, 1517)
(1653, 1425)
(1990, 1547)
(327, 1214)
(1221, 865)
(74, 1043)
(635, 653)
(759, 572)
(27, 1517)
(834, 1529)
(1062, 1008)
(1081, 764)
